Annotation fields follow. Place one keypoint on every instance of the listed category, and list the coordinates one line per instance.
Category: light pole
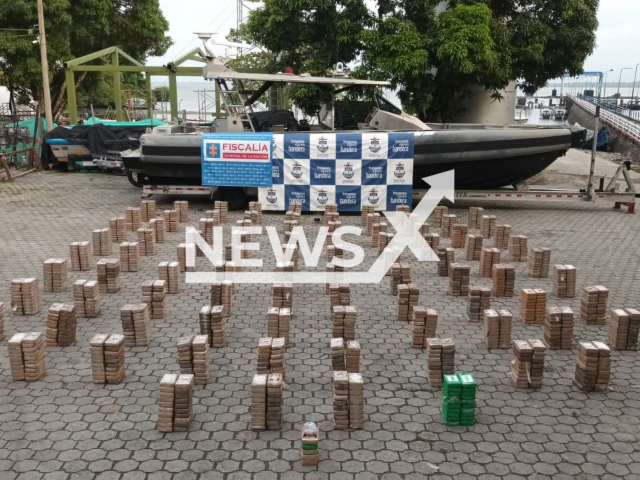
(619, 80)
(633, 90)
(45, 69)
(605, 83)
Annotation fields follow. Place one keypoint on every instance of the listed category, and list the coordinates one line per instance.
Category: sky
(618, 37)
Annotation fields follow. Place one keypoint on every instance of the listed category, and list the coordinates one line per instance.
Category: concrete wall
(479, 107)
(618, 143)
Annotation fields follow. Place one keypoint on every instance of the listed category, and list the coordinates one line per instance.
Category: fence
(628, 127)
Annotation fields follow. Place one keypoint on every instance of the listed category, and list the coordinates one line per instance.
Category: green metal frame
(173, 70)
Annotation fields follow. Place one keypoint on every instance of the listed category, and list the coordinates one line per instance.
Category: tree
(430, 54)
(74, 28)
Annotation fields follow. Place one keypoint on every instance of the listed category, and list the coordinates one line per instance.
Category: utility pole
(594, 150)
(239, 21)
(633, 91)
(619, 80)
(45, 67)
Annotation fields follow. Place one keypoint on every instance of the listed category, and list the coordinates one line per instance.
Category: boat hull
(481, 158)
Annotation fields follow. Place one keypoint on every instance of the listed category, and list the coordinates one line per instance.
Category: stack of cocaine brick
(135, 324)
(458, 235)
(221, 294)
(497, 328)
(129, 256)
(171, 220)
(502, 236)
(385, 237)
(343, 320)
(334, 251)
(564, 281)
(193, 357)
(375, 234)
(527, 366)
(256, 212)
(263, 361)
(479, 301)
(215, 215)
(446, 257)
(101, 240)
(504, 276)
(107, 358)
(474, 219)
(403, 208)
(459, 399)
(275, 390)
(353, 356)
(182, 207)
(459, 275)
(276, 355)
(488, 226)
(593, 367)
(433, 240)
(424, 228)
(1, 322)
(81, 254)
(259, 401)
(533, 306)
(488, 258)
(519, 248)
(425, 323)
(182, 259)
(593, 306)
(153, 293)
(338, 354)
(330, 213)
(170, 273)
(356, 400)
(212, 324)
(146, 241)
(118, 229)
(61, 325)
(348, 400)
(175, 402)
(279, 323)
(558, 328)
(223, 208)
(400, 273)
(282, 295)
(159, 229)
(54, 273)
(539, 259)
(366, 210)
(309, 446)
(148, 210)
(374, 218)
(26, 356)
(438, 213)
(25, 296)
(266, 401)
(408, 298)
(295, 255)
(206, 229)
(289, 225)
(108, 275)
(623, 328)
(447, 225)
(86, 298)
(134, 218)
(473, 246)
(440, 359)
(340, 399)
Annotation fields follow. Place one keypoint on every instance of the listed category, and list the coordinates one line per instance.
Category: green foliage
(75, 28)
(160, 94)
(431, 56)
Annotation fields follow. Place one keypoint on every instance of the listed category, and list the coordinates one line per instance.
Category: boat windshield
(386, 105)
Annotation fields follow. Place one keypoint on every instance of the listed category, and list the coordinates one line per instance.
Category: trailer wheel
(134, 179)
(236, 197)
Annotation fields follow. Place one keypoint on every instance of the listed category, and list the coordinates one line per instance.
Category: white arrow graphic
(442, 186)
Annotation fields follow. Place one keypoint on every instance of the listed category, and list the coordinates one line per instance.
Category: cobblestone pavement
(66, 427)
